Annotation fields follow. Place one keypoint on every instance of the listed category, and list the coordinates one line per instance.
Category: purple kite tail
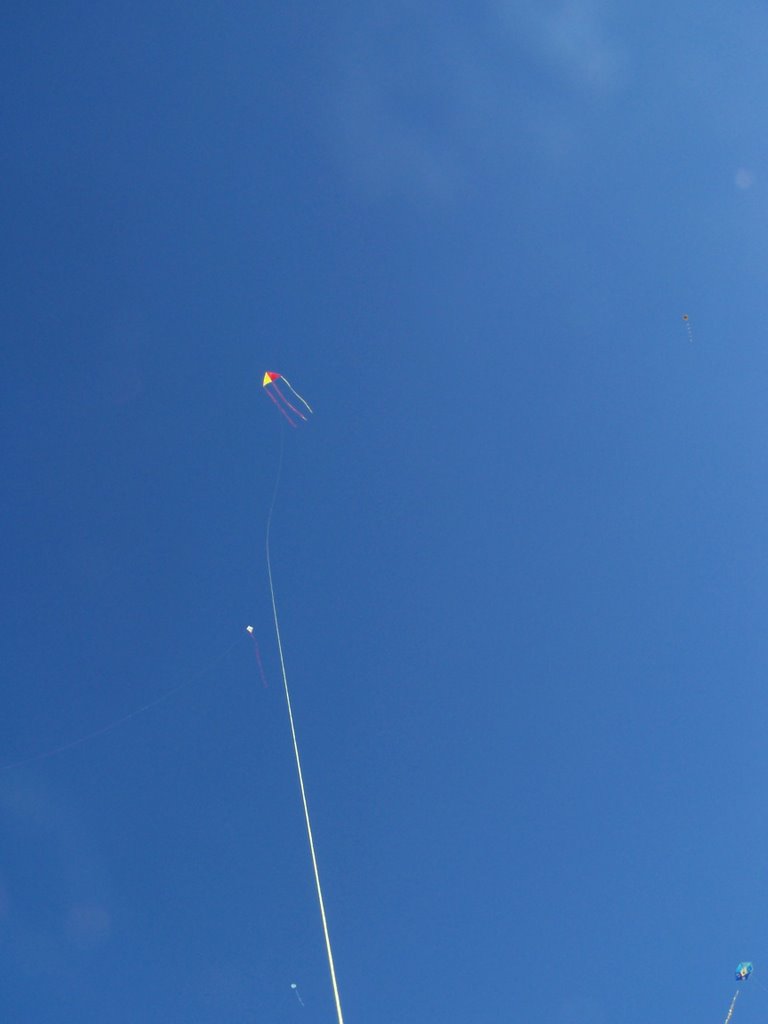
(291, 407)
(282, 410)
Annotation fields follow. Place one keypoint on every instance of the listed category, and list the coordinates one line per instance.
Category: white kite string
(293, 389)
(296, 746)
(730, 1011)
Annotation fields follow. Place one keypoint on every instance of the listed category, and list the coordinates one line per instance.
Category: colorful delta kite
(286, 408)
(743, 971)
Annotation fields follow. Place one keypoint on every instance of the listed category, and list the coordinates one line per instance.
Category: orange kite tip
(269, 377)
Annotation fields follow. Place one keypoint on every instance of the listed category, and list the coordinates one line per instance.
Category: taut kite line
(269, 383)
(731, 1007)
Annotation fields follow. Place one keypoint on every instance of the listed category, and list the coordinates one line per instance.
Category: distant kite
(687, 322)
(744, 970)
(272, 388)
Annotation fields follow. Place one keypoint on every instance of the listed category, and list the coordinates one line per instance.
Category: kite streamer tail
(282, 410)
(730, 1009)
(293, 389)
(257, 652)
(285, 400)
(320, 900)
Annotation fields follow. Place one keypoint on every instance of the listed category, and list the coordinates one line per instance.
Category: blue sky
(520, 551)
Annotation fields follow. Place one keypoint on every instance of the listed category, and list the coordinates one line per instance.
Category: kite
(272, 388)
(295, 989)
(687, 322)
(743, 971)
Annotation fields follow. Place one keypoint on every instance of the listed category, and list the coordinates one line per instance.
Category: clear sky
(521, 551)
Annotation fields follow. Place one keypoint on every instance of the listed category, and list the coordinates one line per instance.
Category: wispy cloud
(571, 38)
(421, 103)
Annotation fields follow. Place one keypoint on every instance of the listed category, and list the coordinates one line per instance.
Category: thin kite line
(295, 743)
(118, 721)
(730, 1010)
